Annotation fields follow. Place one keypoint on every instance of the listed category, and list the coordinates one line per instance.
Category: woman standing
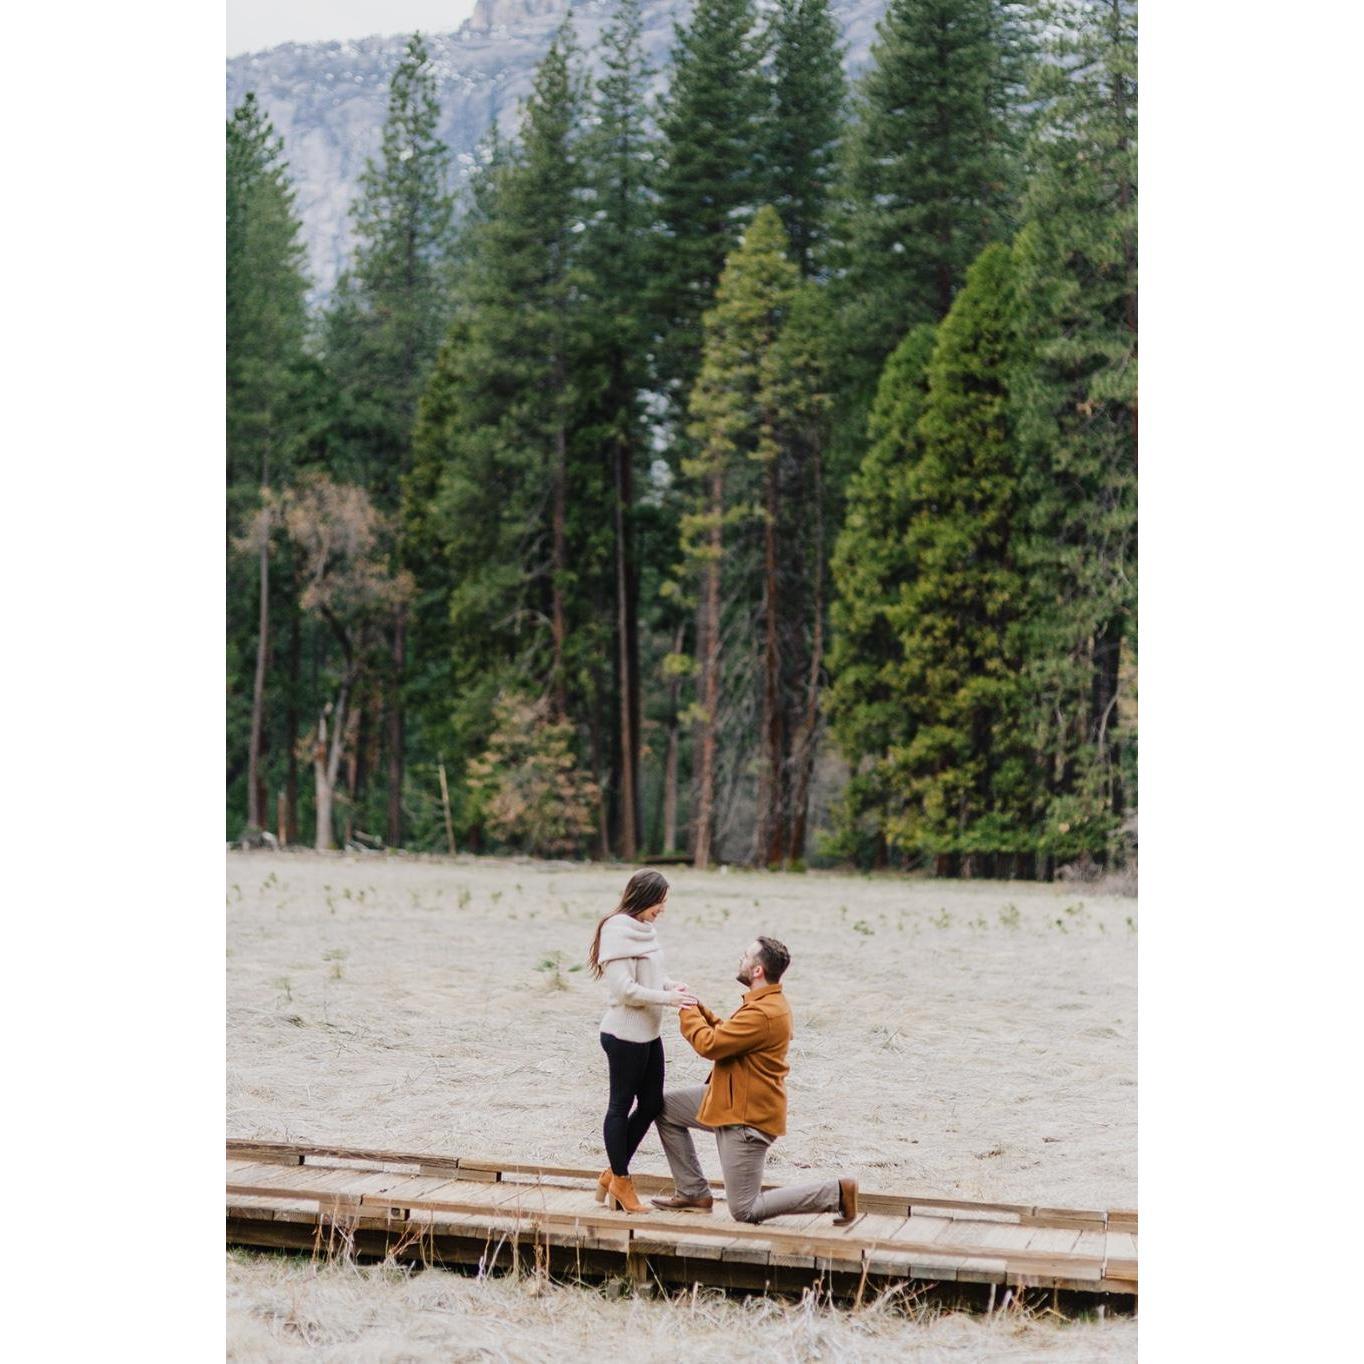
(626, 952)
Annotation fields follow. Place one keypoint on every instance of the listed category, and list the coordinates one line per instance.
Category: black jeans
(636, 1078)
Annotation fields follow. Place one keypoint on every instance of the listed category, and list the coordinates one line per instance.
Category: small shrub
(553, 967)
(527, 784)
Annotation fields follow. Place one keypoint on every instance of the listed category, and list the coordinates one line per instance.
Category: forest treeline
(709, 431)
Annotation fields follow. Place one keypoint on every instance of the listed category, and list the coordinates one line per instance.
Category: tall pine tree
(931, 176)
(751, 409)
(808, 93)
(872, 566)
(1077, 413)
(618, 166)
(266, 378)
(965, 769)
(500, 438)
(714, 174)
(387, 319)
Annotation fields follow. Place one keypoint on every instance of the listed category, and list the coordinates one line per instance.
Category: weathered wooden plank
(1048, 1239)
(362, 1164)
(1041, 1272)
(408, 1187)
(471, 1199)
(474, 1167)
(1071, 1214)
(923, 1228)
(790, 1252)
(867, 1232)
(748, 1244)
(264, 1172)
(245, 1163)
(920, 1264)
(1060, 1223)
(261, 1154)
(994, 1238)
(551, 1198)
(271, 1209)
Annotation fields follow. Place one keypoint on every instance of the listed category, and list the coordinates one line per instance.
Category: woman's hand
(682, 997)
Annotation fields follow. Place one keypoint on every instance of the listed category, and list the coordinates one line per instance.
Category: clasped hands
(684, 997)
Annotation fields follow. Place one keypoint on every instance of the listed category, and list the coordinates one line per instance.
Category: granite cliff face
(327, 100)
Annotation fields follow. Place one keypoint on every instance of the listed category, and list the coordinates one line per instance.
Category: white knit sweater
(632, 966)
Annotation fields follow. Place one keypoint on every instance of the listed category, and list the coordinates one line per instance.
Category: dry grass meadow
(971, 1039)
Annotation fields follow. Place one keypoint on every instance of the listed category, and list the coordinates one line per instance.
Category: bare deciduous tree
(347, 581)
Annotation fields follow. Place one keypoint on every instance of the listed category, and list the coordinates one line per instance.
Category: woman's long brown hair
(642, 891)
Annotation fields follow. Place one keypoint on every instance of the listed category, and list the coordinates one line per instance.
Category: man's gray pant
(742, 1153)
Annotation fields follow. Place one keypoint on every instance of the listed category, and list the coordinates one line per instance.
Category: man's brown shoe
(680, 1203)
(847, 1202)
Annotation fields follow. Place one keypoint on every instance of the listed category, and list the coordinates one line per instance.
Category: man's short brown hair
(774, 957)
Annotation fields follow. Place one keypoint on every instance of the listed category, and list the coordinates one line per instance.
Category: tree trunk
(255, 785)
(603, 853)
(445, 806)
(770, 772)
(353, 748)
(674, 744)
(291, 729)
(710, 675)
(806, 756)
(629, 738)
(323, 839)
(327, 765)
(352, 753)
(396, 734)
(1103, 703)
(559, 566)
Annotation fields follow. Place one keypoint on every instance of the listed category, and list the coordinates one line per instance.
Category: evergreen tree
(714, 174)
(266, 377)
(931, 175)
(391, 307)
(425, 534)
(752, 402)
(618, 164)
(386, 323)
(965, 771)
(500, 437)
(872, 566)
(1077, 413)
(808, 92)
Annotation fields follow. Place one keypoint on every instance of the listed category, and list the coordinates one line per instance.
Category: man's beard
(743, 979)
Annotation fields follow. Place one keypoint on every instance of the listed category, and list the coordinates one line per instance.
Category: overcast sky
(254, 24)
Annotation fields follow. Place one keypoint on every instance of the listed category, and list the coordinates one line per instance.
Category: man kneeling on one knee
(743, 1102)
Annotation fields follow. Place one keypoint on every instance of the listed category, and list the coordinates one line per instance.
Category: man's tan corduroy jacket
(748, 1080)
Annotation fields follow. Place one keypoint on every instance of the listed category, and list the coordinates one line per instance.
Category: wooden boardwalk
(447, 1209)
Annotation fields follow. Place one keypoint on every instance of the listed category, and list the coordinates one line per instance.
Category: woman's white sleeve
(625, 989)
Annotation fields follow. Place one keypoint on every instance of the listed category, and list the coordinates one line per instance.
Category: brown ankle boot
(603, 1184)
(621, 1194)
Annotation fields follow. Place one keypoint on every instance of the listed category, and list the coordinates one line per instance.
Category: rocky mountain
(327, 100)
